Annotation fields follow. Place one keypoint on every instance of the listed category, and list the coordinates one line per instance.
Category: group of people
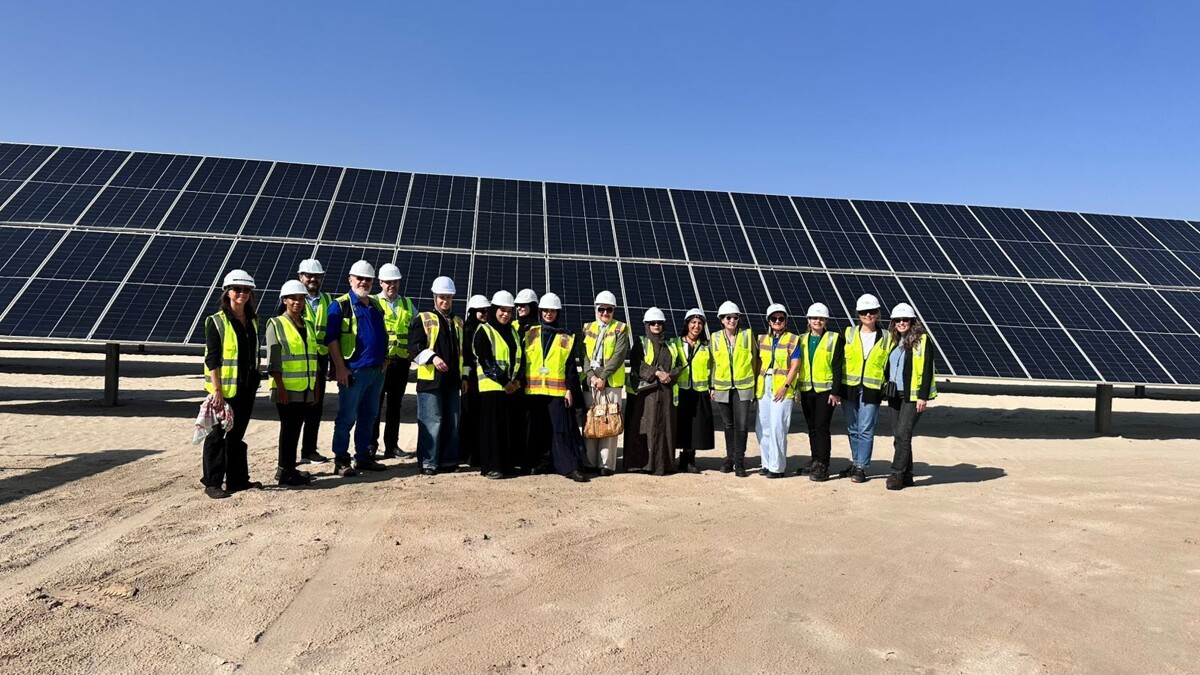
(505, 389)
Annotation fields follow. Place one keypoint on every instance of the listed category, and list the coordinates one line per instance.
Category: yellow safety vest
(429, 321)
(229, 355)
(397, 323)
(775, 360)
(869, 371)
(591, 332)
(319, 319)
(919, 354)
(297, 355)
(696, 375)
(818, 375)
(508, 362)
(739, 374)
(348, 340)
(648, 355)
(552, 382)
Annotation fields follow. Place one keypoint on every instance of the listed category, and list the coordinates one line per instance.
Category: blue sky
(1091, 106)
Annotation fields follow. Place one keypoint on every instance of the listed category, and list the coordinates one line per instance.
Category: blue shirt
(896, 368)
(371, 343)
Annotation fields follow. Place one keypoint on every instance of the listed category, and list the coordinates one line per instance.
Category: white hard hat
(238, 278)
(389, 272)
(363, 270)
(695, 311)
(502, 299)
(605, 298)
(310, 266)
(443, 286)
(865, 302)
(776, 307)
(293, 287)
(526, 296)
(728, 307)
(904, 311)
(548, 301)
(819, 310)
(653, 314)
(478, 302)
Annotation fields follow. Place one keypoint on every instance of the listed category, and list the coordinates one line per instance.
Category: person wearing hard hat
(527, 311)
(316, 311)
(231, 363)
(862, 382)
(358, 342)
(654, 366)
(734, 369)
(776, 388)
(437, 340)
(694, 415)
(552, 390)
(605, 346)
(398, 313)
(500, 372)
(292, 365)
(468, 444)
(909, 388)
(822, 361)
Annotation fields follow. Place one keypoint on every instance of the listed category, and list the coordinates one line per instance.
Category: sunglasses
(901, 320)
(240, 290)
(606, 310)
(654, 323)
(731, 317)
(865, 312)
(777, 319)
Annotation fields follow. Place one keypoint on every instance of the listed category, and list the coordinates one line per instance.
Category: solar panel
(131, 246)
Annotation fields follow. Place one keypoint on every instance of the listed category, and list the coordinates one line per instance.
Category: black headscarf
(505, 330)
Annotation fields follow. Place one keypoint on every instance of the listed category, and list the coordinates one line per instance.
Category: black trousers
(291, 422)
(395, 381)
(312, 414)
(735, 419)
(554, 440)
(817, 415)
(224, 451)
(906, 420)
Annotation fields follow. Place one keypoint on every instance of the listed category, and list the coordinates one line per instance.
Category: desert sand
(1028, 545)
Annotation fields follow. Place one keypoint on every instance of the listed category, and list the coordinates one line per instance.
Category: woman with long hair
(500, 372)
(231, 363)
(292, 365)
(477, 313)
(694, 430)
(909, 388)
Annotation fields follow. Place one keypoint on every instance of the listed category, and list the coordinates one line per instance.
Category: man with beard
(316, 310)
(358, 342)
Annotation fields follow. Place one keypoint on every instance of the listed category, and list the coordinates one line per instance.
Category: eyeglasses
(866, 312)
(654, 323)
(240, 290)
(358, 279)
(777, 319)
(606, 310)
(312, 276)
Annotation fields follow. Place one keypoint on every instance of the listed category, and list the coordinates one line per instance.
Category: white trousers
(602, 452)
(771, 429)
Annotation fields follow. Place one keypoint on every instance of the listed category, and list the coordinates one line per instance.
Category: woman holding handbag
(694, 426)
(909, 388)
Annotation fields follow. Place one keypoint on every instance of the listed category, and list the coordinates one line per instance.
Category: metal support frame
(1139, 391)
(1104, 399)
(112, 373)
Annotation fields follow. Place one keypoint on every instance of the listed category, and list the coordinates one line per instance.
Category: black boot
(739, 470)
(895, 481)
(690, 462)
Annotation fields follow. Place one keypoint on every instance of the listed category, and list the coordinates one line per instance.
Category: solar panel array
(121, 246)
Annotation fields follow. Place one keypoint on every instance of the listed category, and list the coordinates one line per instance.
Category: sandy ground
(1029, 545)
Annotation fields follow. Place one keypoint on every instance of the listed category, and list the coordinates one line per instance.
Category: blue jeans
(860, 423)
(437, 427)
(358, 406)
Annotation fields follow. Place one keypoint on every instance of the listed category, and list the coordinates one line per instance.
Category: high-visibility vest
(229, 355)
(397, 323)
(696, 375)
(319, 319)
(297, 354)
(429, 321)
(775, 359)
(507, 361)
(648, 356)
(919, 353)
(817, 375)
(740, 373)
(348, 340)
(552, 382)
(591, 332)
(867, 371)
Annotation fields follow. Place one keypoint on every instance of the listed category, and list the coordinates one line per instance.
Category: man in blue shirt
(357, 339)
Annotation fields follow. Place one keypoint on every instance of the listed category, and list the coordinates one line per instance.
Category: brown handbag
(603, 418)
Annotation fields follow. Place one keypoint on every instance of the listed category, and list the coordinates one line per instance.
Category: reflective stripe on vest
(397, 324)
(229, 355)
(694, 376)
(821, 376)
(591, 332)
(319, 319)
(554, 382)
(741, 375)
(297, 355)
(348, 340)
(507, 361)
(776, 358)
(870, 371)
(648, 356)
(429, 321)
(918, 367)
